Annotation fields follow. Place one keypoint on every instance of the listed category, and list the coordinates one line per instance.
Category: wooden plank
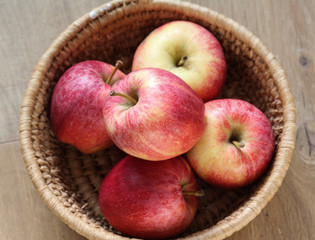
(23, 214)
(27, 29)
(285, 26)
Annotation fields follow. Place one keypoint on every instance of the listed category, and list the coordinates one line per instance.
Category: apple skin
(145, 199)
(205, 68)
(76, 110)
(219, 162)
(167, 120)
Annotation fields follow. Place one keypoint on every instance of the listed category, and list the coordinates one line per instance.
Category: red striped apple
(150, 200)
(154, 115)
(77, 105)
(237, 145)
(189, 51)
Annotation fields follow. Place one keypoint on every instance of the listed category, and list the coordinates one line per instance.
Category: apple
(149, 199)
(154, 115)
(237, 145)
(76, 110)
(189, 51)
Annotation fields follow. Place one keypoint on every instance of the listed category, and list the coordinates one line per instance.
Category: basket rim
(224, 228)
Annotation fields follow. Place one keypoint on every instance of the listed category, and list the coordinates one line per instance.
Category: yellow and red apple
(189, 51)
(154, 115)
(237, 145)
(76, 111)
(149, 199)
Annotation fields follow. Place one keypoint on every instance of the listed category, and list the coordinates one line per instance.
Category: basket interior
(75, 178)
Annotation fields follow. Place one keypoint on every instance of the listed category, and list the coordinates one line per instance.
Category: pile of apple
(160, 114)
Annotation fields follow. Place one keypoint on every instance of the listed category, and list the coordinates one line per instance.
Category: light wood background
(286, 27)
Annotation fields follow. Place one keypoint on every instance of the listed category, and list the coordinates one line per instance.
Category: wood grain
(284, 26)
(23, 214)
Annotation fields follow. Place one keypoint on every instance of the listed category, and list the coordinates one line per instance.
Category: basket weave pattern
(68, 181)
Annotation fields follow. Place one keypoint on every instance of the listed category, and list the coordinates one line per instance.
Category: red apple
(156, 115)
(237, 145)
(189, 51)
(77, 105)
(148, 199)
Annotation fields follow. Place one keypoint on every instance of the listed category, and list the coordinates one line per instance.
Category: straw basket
(68, 181)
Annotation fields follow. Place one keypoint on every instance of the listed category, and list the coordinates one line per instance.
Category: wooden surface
(286, 27)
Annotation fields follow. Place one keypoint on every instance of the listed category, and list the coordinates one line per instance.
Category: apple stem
(238, 144)
(182, 61)
(199, 193)
(131, 99)
(117, 66)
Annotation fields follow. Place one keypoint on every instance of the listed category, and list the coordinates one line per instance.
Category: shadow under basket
(68, 181)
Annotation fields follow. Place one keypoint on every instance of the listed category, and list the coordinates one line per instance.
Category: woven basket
(68, 181)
